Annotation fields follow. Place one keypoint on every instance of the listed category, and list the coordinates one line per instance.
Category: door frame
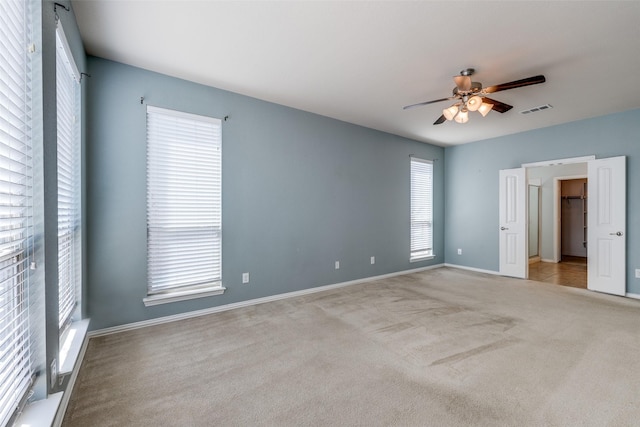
(583, 159)
(556, 195)
(538, 184)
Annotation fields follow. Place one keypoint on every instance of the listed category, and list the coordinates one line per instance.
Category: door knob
(619, 233)
(503, 228)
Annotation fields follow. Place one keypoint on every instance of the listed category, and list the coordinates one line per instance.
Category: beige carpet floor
(444, 347)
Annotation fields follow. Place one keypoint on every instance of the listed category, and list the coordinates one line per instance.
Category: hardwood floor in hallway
(571, 271)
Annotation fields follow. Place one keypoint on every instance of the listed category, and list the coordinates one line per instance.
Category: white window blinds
(68, 119)
(184, 213)
(15, 205)
(421, 208)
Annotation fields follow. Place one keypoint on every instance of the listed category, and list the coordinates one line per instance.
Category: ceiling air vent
(536, 109)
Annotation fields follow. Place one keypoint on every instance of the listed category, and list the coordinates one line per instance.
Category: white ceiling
(361, 61)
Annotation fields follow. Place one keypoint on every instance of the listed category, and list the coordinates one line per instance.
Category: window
(68, 119)
(421, 209)
(16, 225)
(184, 212)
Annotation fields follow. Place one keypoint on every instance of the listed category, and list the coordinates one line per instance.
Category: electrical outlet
(637, 273)
(245, 277)
(337, 265)
(373, 260)
(459, 251)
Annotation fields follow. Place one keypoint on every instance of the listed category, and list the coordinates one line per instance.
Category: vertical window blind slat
(184, 214)
(15, 209)
(68, 111)
(421, 208)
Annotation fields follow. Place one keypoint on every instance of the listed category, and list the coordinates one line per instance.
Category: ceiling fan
(470, 96)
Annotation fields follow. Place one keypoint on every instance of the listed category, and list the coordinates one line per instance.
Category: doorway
(573, 219)
(606, 237)
(560, 216)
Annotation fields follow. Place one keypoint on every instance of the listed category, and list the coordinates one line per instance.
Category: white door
(606, 219)
(513, 223)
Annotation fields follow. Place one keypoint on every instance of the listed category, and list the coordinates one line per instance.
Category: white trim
(422, 258)
(570, 177)
(537, 184)
(557, 162)
(634, 296)
(477, 270)
(247, 303)
(158, 299)
(548, 260)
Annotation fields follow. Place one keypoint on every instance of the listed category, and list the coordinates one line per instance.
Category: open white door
(606, 240)
(513, 223)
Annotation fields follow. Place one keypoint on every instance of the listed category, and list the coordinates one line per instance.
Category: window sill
(158, 299)
(422, 258)
(71, 344)
(45, 412)
(41, 412)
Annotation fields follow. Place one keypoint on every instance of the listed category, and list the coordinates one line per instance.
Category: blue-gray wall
(300, 191)
(471, 182)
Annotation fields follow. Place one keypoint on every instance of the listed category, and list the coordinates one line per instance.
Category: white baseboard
(549, 260)
(477, 270)
(241, 304)
(462, 267)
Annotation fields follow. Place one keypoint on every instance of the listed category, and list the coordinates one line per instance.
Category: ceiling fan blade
(440, 120)
(463, 83)
(515, 84)
(406, 107)
(498, 106)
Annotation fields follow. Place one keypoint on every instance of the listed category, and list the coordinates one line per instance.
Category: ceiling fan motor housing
(475, 88)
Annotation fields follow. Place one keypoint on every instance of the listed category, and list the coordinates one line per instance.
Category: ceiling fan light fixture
(485, 108)
(450, 113)
(474, 103)
(462, 117)
(472, 96)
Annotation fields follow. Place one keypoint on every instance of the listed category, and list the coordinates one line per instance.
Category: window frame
(69, 181)
(421, 209)
(177, 144)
